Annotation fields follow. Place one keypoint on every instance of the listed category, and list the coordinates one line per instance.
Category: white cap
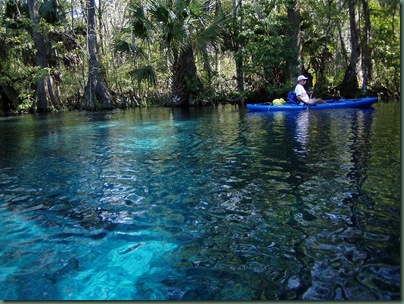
(302, 77)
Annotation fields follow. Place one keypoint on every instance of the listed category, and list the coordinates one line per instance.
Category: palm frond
(139, 21)
(123, 46)
(144, 74)
(210, 35)
(51, 10)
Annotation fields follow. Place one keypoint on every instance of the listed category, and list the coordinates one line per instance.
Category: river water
(201, 204)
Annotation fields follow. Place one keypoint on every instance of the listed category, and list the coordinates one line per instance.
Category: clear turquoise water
(208, 204)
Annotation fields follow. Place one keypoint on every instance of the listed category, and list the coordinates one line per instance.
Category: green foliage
(177, 27)
(142, 47)
(52, 12)
(123, 46)
(386, 27)
(16, 15)
(144, 74)
(265, 66)
(26, 98)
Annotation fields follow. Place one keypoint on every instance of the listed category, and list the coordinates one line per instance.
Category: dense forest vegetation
(101, 54)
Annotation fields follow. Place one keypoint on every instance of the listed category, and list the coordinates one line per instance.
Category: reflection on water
(201, 204)
(302, 129)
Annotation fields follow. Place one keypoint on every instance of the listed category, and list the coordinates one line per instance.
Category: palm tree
(183, 28)
(135, 42)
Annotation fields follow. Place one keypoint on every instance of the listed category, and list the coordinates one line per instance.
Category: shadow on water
(201, 204)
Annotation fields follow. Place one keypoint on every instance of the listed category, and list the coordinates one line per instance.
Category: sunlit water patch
(201, 204)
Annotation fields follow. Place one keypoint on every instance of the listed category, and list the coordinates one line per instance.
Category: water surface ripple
(201, 204)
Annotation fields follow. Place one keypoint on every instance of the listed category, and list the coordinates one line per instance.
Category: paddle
(312, 88)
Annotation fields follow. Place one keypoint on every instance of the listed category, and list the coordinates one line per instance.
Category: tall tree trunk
(295, 61)
(237, 5)
(46, 94)
(343, 49)
(186, 84)
(367, 60)
(321, 79)
(100, 23)
(96, 94)
(350, 84)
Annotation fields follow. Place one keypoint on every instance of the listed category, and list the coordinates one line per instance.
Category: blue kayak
(364, 102)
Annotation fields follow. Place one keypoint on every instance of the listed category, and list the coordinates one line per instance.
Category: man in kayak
(301, 93)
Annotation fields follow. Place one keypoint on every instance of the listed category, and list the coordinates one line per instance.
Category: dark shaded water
(211, 204)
